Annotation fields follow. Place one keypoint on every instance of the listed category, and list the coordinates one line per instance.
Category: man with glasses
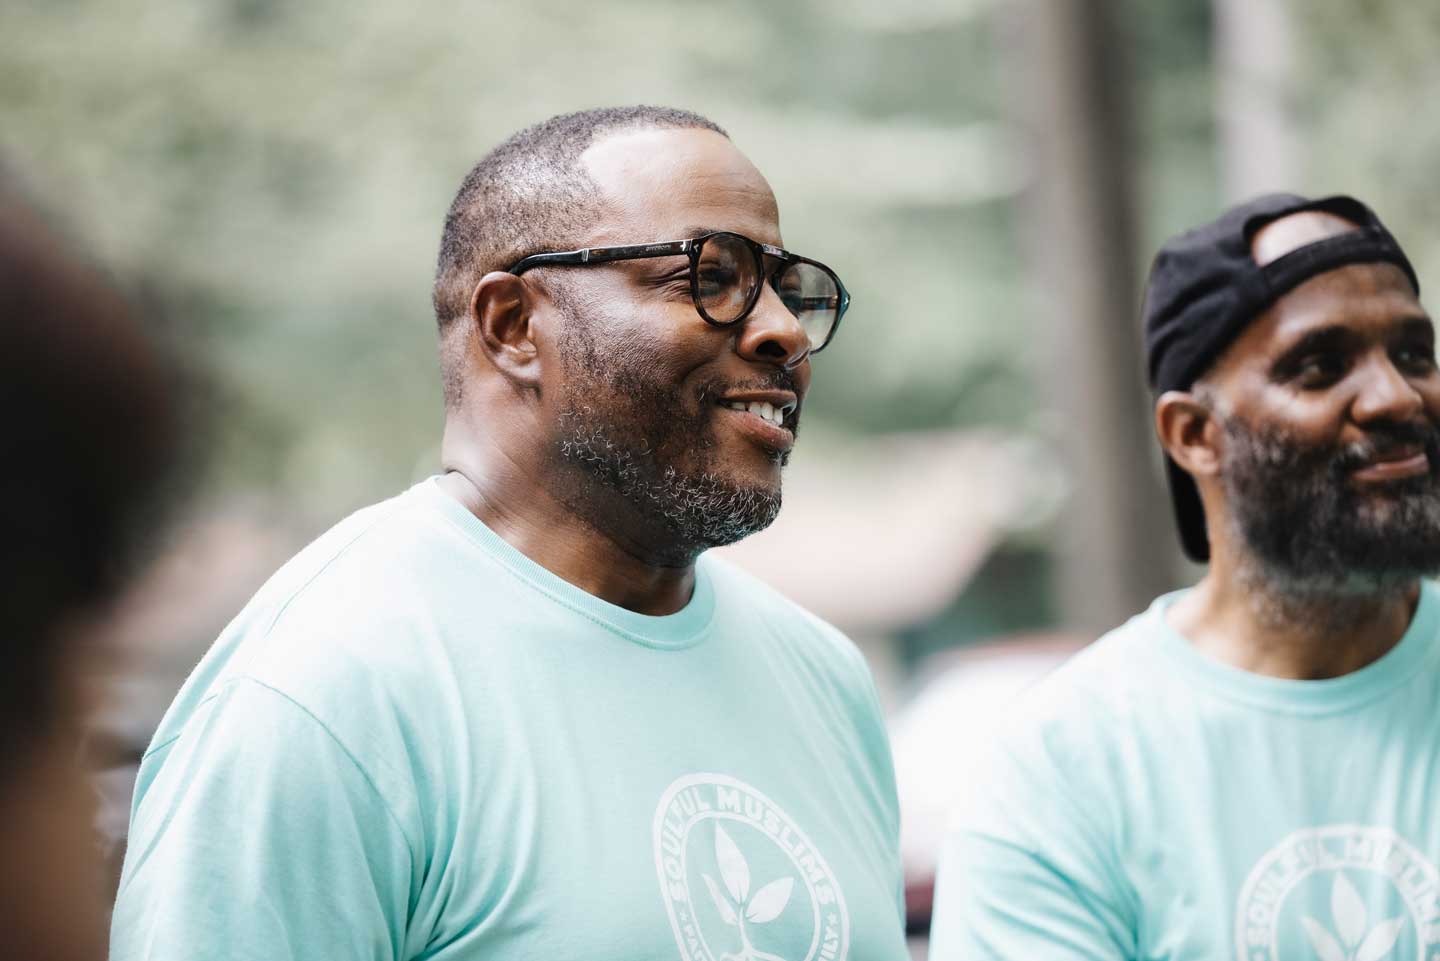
(515, 713)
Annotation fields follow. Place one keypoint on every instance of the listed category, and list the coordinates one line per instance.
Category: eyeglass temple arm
(594, 255)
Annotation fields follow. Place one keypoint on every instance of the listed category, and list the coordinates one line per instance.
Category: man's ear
(1189, 432)
(500, 310)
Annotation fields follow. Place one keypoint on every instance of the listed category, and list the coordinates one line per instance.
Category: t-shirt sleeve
(1027, 872)
(256, 835)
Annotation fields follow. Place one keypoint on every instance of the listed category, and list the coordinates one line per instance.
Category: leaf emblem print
(727, 913)
(1348, 911)
(733, 869)
(1354, 942)
(769, 901)
(1327, 948)
(1377, 943)
(739, 908)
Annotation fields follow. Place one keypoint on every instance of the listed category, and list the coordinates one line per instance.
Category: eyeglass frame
(691, 248)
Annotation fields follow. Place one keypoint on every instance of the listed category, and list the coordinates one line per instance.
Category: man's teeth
(774, 415)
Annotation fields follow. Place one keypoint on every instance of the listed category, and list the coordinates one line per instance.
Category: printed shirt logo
(1340, 893)
(764, 892)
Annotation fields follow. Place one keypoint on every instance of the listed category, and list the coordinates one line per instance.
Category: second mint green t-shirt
(416, 743)
(1148, 802)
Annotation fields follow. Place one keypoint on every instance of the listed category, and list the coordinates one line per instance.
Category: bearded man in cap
(1251, 768)
(514, 713)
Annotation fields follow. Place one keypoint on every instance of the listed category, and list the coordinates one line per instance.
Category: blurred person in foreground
(514, 713)
(86, 436)
(1251, 768)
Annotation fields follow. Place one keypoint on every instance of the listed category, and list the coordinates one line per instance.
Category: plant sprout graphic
(764, 907)
(1354, 942)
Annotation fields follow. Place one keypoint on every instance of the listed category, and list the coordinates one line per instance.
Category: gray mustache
(1385, 439)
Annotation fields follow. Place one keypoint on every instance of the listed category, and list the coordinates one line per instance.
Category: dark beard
(1312, 530)
(639, 439)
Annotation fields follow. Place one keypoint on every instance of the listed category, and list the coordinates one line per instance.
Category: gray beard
(698, 510)
(1311, 534)
(643, 445)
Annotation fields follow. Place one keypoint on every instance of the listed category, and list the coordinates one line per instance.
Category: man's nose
(771, 334)
(1386, 394)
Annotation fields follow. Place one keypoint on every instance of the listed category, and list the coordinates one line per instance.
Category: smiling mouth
(1399, 464)
(769, 412)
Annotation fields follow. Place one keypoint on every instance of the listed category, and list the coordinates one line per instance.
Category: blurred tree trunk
(1117, 547)
(1254, 66)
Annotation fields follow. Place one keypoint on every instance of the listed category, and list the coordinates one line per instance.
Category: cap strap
(1366, 245)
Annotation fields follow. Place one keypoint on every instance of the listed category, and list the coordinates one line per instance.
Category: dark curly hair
(87, 431)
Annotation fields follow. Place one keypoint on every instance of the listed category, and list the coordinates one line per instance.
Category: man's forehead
(1370, 301)
(666, 182)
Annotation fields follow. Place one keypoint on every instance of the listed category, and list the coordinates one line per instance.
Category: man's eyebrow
(701, 230)
(1417, 325)
(1340, 337)
(1334, 337)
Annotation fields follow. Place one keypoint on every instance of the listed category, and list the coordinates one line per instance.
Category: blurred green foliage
(278, 172)
(1367, 109)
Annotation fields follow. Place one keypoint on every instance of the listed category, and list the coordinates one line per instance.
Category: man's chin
(748, 468)
(1354, 582)
(708, 509)
(748, 511)
(752, 465)
(1372, 551)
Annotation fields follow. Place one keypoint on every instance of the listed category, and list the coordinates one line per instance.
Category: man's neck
(513, 503)
(1243, 620)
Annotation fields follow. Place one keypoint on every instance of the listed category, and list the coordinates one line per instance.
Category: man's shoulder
(1126, 659)
(1095, 698)
(783, 617)
(337, 637)
(339, 606)
(1061, 753)
(379, 542)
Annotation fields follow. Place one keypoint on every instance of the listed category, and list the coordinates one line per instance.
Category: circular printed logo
(1344, 892)
(740, 880)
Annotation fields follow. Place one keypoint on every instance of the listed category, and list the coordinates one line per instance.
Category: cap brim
(1189, 513)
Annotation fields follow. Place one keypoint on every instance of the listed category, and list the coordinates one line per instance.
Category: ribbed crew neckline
(1416, 647)
(685, 628)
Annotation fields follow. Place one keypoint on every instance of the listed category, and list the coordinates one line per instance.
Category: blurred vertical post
(1254, 63)
(1117, 549)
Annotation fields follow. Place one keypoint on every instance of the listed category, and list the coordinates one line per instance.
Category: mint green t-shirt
(416, 743)
(1148, 802)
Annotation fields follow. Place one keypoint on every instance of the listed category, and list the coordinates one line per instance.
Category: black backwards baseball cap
(1205, 288)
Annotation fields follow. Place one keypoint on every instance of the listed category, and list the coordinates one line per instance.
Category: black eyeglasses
(726, 271)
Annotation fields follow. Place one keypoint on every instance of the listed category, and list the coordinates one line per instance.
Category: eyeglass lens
(810, 294)
(728, 273)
